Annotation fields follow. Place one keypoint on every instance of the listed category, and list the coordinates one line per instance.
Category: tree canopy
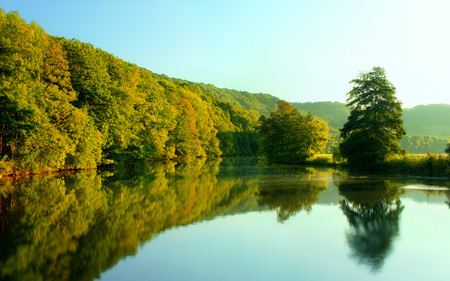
(375, 126)
(65, 104)
(288, 137)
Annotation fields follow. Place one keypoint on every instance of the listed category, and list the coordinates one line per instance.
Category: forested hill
(334, 113)
(427, 120)
(65, 104)
(261, 103)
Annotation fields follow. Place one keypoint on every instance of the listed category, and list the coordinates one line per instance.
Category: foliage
(260, 103)
(288, 137)
(68, 105)
(374, 127)
(41, 127)
(428, 165)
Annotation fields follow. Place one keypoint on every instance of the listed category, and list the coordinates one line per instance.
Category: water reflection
(289, 194)
(75, 226)
(373, 210)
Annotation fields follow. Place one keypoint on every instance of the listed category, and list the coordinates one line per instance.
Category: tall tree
(375, 126)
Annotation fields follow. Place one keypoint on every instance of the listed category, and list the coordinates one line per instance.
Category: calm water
(225, 219)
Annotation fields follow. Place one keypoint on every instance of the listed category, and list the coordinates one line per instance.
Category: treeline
(65, 104)
(424, 144)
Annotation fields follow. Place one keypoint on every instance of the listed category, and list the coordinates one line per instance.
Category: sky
(296, 50)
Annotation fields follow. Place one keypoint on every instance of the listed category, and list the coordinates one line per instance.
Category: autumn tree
(375, 126)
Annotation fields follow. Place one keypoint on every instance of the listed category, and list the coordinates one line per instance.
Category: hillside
(334, 113)
(427, 120)
(422, 120)
(261, 103)
(66, 104)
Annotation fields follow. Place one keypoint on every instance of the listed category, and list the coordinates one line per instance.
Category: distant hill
(427, 120)
(334, 113)
(422, 120)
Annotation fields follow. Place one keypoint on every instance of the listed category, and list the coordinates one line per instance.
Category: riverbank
(430, 165)
(434, 165)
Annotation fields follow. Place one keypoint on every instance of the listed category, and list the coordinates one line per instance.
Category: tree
(375, 126)
(288, 137)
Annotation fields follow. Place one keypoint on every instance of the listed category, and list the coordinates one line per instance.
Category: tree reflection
(373, 211)
(289, 194)
(75, 226)
(448, 201)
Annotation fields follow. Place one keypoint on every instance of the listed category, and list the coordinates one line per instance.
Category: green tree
(375, 126)
(288, 137)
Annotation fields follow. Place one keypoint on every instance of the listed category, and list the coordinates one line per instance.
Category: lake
(224, 219)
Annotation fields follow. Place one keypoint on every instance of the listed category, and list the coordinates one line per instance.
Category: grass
(420, 164)
(416, 164)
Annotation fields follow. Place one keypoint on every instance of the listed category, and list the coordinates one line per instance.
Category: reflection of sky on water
(308, 246)
(204, 220)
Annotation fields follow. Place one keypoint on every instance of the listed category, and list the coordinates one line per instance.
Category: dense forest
(65, 104)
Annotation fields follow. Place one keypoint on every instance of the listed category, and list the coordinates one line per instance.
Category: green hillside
(263, 104)
(65, 104)
(427, 120)
(334, 113)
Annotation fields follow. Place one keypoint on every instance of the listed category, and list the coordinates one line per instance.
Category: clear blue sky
(295, 50)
